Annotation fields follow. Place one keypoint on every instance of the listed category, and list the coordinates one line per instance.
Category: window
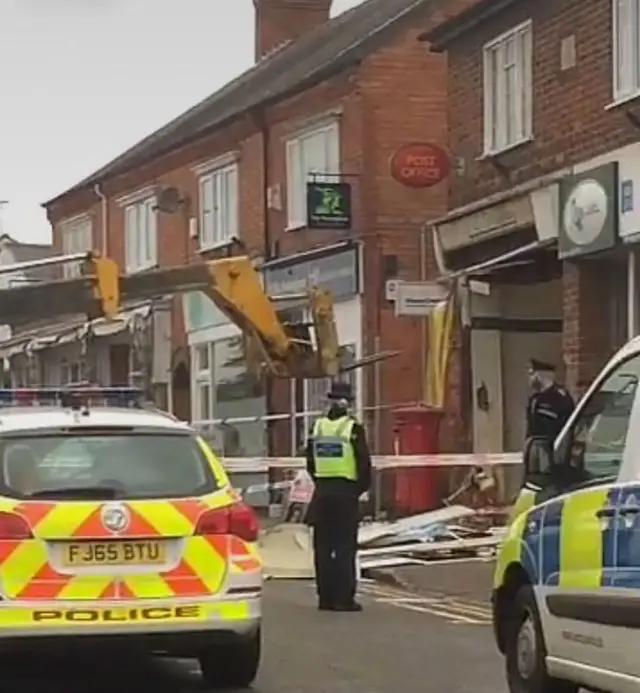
(225, 391)
(508, 89)
(77, 237)
(219, 205)
(314, 152)
(203, 382)
(626, 48)
(70, 372)
(600, 431)
(141, 245)
(105, 466)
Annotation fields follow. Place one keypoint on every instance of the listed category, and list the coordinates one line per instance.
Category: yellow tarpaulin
(440, 334)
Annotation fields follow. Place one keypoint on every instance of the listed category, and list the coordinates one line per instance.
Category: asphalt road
(403, 640)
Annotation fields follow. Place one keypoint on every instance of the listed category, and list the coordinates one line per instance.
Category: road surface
(402, 641)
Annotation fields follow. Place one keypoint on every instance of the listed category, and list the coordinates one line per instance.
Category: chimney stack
(281, 21)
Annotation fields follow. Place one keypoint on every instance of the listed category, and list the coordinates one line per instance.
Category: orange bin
(416, 431)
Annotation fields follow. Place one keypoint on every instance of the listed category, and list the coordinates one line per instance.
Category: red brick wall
(571, 125)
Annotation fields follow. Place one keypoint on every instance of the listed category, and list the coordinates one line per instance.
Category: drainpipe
(105, 218)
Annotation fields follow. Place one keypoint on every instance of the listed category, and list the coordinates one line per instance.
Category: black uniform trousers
(334, 515)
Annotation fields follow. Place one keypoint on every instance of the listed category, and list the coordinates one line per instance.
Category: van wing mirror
(538, 459)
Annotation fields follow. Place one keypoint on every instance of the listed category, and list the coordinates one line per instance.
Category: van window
(600, 431)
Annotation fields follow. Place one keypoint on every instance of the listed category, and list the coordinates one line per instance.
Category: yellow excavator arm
(273, 346)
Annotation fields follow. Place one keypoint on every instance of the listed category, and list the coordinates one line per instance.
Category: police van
(566, 592)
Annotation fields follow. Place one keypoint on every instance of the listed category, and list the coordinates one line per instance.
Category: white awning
(58, 334)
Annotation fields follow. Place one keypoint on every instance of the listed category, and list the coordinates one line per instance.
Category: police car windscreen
(118, 465)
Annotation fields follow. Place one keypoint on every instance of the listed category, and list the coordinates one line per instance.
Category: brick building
(336, 96)
(543, 124)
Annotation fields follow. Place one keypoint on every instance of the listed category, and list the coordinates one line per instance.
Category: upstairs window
(626, 49)
(314, 152)
(508, 89)
(140, 232)
(77, 237)
(219, 207)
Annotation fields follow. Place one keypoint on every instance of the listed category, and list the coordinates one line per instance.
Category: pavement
(411, 639)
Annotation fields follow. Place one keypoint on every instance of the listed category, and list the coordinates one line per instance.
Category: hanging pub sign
(328, 205)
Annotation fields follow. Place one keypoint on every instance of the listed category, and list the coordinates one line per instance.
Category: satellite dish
(169, 200)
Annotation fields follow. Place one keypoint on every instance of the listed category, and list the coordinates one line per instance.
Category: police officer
(550, 405)
(339, 463)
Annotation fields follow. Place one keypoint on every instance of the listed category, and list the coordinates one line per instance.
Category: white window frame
(508, 122)
(299, 170)
(77, 237)
(625, 58)
(218, 206)
(141, 245)
(202, 379)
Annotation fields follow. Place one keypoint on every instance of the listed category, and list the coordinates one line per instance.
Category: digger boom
(273, 346)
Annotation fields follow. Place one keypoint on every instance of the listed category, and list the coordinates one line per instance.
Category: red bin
(416, 431)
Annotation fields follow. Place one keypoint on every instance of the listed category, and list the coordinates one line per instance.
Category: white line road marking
(449, 608)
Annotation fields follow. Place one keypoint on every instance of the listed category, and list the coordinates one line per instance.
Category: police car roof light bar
(74, 397)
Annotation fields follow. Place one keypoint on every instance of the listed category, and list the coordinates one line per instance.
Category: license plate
(101, 553)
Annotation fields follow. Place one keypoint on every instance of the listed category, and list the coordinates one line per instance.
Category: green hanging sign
(328, 205)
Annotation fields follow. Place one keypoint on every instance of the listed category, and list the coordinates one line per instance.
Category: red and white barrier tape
(258, 465)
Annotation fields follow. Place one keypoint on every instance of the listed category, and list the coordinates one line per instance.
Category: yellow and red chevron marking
(26, 574)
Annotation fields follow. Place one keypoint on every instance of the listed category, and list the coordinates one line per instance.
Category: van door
(579, 627)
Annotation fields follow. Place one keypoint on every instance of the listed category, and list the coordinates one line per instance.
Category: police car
(119, 523)
(566, 595)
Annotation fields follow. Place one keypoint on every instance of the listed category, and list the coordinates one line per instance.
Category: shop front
(228, 404)
(502, 255)
(337, 268)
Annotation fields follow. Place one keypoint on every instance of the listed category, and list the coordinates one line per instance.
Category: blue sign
(626, 196)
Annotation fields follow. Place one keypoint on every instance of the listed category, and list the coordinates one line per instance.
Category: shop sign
(336, 271)
(420, 165)
(589, 213)
(328, 205)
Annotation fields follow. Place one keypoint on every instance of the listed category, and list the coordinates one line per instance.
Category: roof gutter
(442, 35)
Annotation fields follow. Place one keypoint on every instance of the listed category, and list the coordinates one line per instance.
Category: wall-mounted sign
(337, 271)
(420, 165)
(328, 205)
(589, 212)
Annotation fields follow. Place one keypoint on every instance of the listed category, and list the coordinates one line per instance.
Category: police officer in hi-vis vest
(339, 463)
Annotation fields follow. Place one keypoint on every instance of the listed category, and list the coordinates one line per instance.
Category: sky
(83, 80)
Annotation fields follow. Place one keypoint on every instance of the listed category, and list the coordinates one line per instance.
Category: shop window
(70, 372)
(228, 396)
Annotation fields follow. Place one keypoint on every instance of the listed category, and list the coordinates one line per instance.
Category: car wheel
(233, 665)
(525, 650)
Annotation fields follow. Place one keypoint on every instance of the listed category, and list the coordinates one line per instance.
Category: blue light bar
(71, 396)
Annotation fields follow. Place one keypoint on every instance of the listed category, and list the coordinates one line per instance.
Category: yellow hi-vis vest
(332, 449)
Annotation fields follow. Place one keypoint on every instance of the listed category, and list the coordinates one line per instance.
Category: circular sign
(420, 165)
(585, 212)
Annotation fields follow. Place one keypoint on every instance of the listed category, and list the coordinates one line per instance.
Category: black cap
(537, 365)
(340, 390)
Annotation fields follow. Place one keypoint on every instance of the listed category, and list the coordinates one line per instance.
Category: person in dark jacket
(339, 463)
(550, 405)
